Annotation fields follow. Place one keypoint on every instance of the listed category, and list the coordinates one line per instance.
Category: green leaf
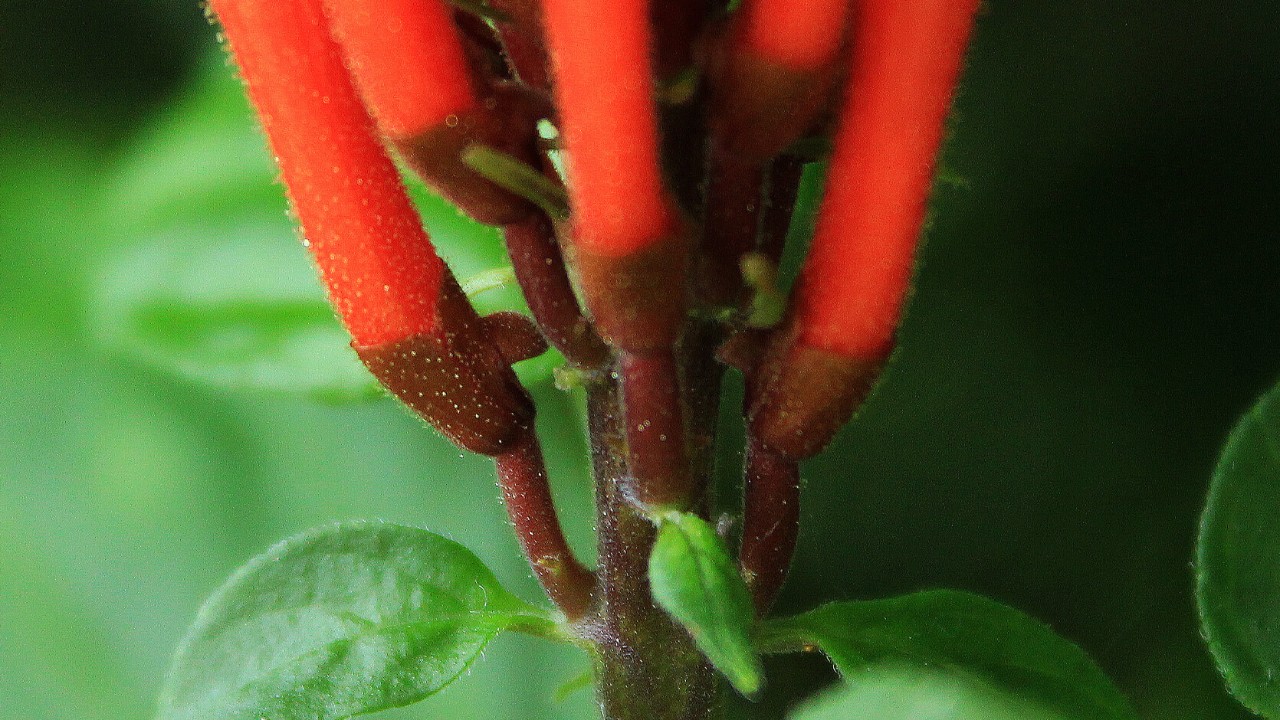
(1237, 586)
(244, 310)
(340, 621)
(695, 580)
(203, 156)
(960, 631)
(894, 692)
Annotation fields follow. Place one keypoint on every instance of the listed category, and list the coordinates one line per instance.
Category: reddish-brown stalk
(770, 522)
(522, 475)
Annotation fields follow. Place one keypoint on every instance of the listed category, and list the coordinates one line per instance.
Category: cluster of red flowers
(336, 80)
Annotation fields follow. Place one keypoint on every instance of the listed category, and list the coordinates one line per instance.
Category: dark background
(1096, 306)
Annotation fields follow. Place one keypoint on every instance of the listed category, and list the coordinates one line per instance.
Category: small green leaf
(340, 621)
(960, 631)
(488, 281)
(519, 178)
(695, 580)
(1237, 586)
(768, 302)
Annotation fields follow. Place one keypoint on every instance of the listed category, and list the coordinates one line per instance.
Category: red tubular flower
(382, 274)
(777, 74)
(906, 60)
(409, 64)
(604, 87)
(624, 229)
(407, 318)
(407, 61)
(802, 35)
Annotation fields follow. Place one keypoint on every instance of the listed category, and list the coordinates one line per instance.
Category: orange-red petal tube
(820, 366)
(906, 60)
(600, 53)
(802, 35)
(775, 78)
(407, 59)
(381, 272)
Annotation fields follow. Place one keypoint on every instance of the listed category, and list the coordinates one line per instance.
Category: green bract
(343, 620)
(694, 579)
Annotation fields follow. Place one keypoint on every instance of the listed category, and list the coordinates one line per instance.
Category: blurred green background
(1097, 304)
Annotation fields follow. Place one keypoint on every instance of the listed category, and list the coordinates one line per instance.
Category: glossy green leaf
(896, 692)
(960, 631)
(695, 580)
(236, 305)
(1238, 588)
(340, 621)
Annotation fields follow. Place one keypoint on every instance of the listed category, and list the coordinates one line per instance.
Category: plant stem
(647, 667)
(522, 475)
(784, 186)
(656, 445)
(770, 522)
(539, 267)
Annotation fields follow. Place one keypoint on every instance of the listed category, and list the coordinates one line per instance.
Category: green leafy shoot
(1237, 586)
(519, 178)
(960, 631)
(340, 621)
(488, 280)
(696, 581)
(768, 302)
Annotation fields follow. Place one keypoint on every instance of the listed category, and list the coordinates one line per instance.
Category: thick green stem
(647, 667)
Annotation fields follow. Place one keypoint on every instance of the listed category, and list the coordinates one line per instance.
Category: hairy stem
(647, 667)
(657, 447)
(540, 270)
(522, 475)
(770, 522)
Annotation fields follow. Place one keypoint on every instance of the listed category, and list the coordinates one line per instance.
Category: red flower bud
(629, 247)
(409, 64)
(408, 320)
(906, 59)
(799, 34)
(775, 79)
(605, 94)
(382, 274)
(407, 61)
